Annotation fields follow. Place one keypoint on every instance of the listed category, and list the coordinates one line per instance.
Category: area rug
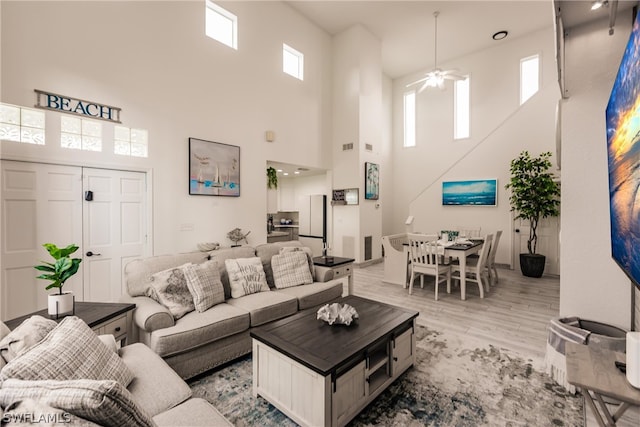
(456, 381)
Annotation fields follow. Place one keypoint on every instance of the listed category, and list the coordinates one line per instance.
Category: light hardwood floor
(514, 314)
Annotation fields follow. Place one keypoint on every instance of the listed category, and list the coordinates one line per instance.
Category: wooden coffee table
(322, 375)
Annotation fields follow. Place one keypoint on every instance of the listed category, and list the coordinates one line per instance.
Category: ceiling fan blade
(418, 81)
(424, 86)
(453, 77)
(441, 84)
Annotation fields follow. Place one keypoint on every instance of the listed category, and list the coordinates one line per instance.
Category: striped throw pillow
(291, 269)
(203, 281)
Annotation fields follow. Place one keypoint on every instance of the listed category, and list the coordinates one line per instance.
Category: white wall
(500, 129)
(591, 285)
(153, 60)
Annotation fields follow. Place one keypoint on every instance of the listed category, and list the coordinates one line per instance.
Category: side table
(593, 370)
(103, 317)
(342, 267)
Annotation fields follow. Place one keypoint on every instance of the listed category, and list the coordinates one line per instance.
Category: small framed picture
(214, 168)
(371, 181)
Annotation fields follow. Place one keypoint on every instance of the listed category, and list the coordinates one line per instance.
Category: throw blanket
(559, 332)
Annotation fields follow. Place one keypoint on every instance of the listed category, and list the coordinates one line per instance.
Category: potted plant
(58, 272)
(534, 195)
(272, 178)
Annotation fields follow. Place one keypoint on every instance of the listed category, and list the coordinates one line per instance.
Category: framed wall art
(371, 181)
(482, 192)
(214, 168)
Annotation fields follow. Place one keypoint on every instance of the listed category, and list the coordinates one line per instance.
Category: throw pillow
(70, 351)
(246, 276)
(450, 234)
(106, 403)
(205, 286)
(291, 269)
(26, 335)
(169, 288)
(304, 249)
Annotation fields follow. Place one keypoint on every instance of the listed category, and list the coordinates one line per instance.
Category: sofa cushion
(106, 403)
(196, 329)
(138, 272)
(203, 281)
(315, 294)
(267, 250)
(198, 412)
(291, 269)
(169, 288)
(25, 335)
(246, 276)
(266, 307)
(221, 255)
(70, 351)
(153, 374)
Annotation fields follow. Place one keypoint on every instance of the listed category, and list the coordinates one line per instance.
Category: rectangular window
(461, 109)
(80, 134)
(529, 77)
(131, 142)
(221, 25)
(21, 124)
(292, 62)
(410, 119)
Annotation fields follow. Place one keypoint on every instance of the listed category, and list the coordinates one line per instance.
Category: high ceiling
(406, 28)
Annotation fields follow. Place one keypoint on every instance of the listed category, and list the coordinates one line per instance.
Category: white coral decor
(341, 314)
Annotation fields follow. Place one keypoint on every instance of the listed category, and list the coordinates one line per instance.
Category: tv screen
(623, 149)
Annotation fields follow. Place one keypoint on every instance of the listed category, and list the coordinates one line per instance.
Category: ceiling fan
(436, 77)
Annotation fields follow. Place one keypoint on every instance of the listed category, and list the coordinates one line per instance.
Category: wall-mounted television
(623, 149)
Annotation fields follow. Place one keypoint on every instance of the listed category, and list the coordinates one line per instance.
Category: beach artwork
(481, 192)
(214, 168)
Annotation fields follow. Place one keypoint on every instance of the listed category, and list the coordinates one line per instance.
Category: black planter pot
(532, 265)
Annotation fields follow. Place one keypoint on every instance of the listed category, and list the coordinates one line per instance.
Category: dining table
(458, 250)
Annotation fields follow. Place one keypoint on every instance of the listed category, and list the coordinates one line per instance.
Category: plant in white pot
(535, 195)
(58, 272)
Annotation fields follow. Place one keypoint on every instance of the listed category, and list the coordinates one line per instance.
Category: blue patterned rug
(455, 382)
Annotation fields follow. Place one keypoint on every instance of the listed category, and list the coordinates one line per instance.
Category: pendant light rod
(435, 40)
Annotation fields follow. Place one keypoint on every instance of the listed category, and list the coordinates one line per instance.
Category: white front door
(115, 229)
(548, 243)
(40, 204)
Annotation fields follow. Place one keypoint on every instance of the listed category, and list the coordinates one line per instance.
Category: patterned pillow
(106, 403)
(169, 288)
(26, 335)
(451, 234)
(304, 249)
(291, 269)
(203, 281)
(246, 276)
(70, 351)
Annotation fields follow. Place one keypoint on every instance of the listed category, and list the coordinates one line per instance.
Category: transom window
(221, 25)
(292, 62)
(131, 142)
(410, 119)
(529, 77)
(461, 109)
(80, 134)
(21, 124)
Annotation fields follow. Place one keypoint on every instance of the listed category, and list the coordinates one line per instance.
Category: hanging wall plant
(272, 178)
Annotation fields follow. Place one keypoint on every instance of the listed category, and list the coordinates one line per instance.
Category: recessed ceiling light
(297, 172)
(286, 173)
(279, 170)
(500, 35)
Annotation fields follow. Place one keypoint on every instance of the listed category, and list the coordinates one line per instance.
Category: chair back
(395, 241)
(423, 249)
(468, 232)
(494, 248)
(484, 253)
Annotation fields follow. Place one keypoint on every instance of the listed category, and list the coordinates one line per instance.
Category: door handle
(92, 254)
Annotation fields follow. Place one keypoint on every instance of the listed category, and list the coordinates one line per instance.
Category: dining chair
(476, 268)
(426, 259)
(468, 232)
(491, 260)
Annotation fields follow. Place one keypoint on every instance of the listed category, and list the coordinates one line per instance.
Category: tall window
(80, 134)
(21, 124)
(221, 25)
(410, 119)
(131, 142)
(461, 109)
(292, 62)
(529, 77)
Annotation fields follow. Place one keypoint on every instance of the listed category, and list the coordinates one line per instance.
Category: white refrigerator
(312, 231)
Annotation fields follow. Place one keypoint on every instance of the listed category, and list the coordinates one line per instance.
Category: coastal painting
(371, 181)
(481, 192)
(214, 168)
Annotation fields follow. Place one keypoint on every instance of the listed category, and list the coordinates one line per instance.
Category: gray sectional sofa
(200, 341)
